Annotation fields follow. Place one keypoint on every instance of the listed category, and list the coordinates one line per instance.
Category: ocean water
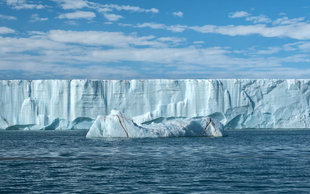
(271, 161)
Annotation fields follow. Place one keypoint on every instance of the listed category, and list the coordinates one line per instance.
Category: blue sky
(146, 39)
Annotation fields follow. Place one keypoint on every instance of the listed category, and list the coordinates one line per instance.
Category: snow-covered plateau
(75, 104)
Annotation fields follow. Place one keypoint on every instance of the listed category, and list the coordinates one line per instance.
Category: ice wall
(75, 103)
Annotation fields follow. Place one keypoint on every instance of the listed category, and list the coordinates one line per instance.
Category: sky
(152, 39)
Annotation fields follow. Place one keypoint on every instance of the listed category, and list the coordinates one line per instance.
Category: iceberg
(75, 104)
(117, 124)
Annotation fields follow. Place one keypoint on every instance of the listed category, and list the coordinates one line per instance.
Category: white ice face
(117, 124)
(63, 104)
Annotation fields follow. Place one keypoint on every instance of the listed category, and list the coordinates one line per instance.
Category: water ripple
(243, 161)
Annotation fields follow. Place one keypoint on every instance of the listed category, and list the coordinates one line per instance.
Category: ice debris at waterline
(74, 104)
(117, 124)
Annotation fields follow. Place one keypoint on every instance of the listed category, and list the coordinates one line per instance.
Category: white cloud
(125, 25)
(173, 40)
(173, 28)
(38, 42)
(112, 17)
(101, 38)
(296, 28)
(258, 19)
(177, 28)
(78, 15)
(79, 4)
(248, 17)
(303, 46)
(152, 25)
(36, 18)
(178, 14)
(210, 56)
(109, 7)
(268, 51)
(6, 17)
(22, 4)
(56, 48)
(239, 14)
(106, 9)
(5, 30)
(231, 30)
(56, 42)
(67, 54)
(73, 4)
(287, 21)
(298, 31)
(199, 42)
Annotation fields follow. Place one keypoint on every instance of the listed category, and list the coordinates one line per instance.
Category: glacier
(75, 104)
(117, 124)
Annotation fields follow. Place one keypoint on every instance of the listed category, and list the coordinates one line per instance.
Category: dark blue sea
(244, 161)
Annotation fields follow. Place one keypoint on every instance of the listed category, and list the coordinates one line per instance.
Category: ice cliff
(74, 104)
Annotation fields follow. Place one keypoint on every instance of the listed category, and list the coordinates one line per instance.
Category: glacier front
(74, 104)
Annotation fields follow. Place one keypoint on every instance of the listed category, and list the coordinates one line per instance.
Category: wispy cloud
(174, 40)
(303, 46)
(178, 14)
(102, 38)
(239, 14)
(36, 18)
(79, 4)
(169, 56)
(108, 10)
(269, 51)
(111, 7)
(299, 31)
(248, 17)
(152, 25)
(6, 30)
(78, 15)
(22, 4)
(72, 4)
(7, 17)
(296, 28)
(69, 53)
(258, 19)
(173, 28)
(112, 17)
(199, 42)
(286, 21)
